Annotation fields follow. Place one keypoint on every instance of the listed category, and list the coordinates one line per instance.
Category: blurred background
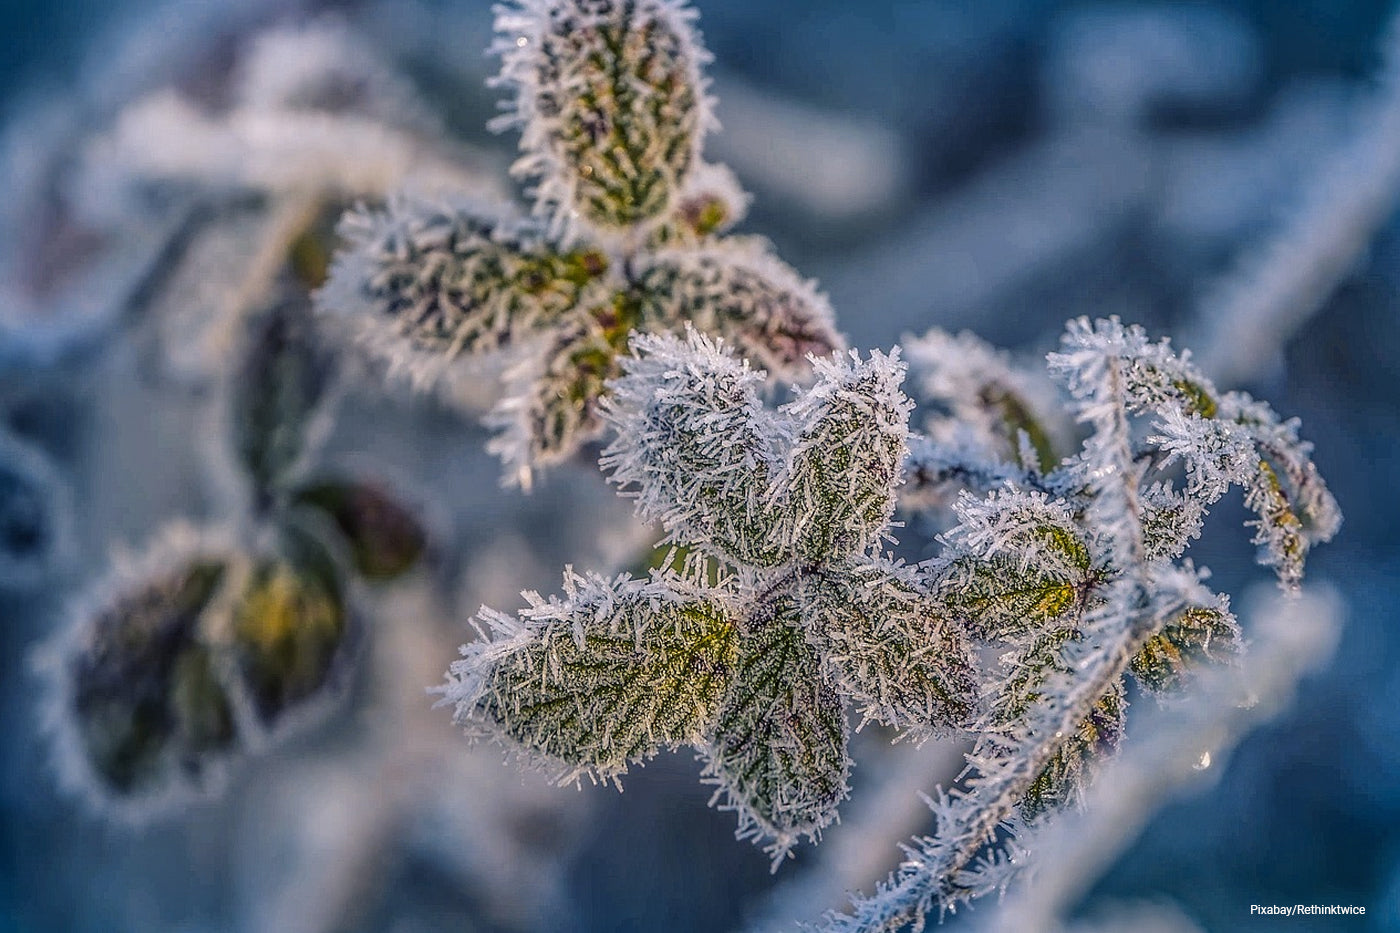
(999, 166)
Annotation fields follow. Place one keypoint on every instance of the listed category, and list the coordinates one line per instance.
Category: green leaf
(885, 645)
(1016, 415)
(694, 443)
(149, 708)
(849, 456)
(747, 296)
(1000, 598)
(278, 388)
(451, 278)
(608, 681)
(553, 408)
(1195, 636)
(385, 538)
(778, 751)
(290, 635)
(1039, 659)
(611, 92)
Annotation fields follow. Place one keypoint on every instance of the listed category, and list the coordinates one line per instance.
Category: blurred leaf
(150, 709)
(291, 630)
(278, 387)
(385, 537)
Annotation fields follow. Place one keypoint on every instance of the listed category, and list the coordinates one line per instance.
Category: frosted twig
(1291, 637)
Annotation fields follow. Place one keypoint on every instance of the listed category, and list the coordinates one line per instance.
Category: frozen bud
(852, 426)
(741, 292)
(427, 281)
(600, 679)
(610, 102)
(385, 538)
(142, 696)
(712, 203)
(290, 630)
(778, 755)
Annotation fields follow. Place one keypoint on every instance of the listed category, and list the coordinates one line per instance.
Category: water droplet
(521, 42)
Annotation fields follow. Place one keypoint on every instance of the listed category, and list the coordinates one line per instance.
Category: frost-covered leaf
(278, 388)
(1194, 636)
(742, 293)
(429, 280)
(550, 407)
(1155, 377)
(601, 679)
(1062, 781)
(886, 647)
(290, 633)
(610, 102)
(143, 694)
(1170, 521)
(1283, 488)
(696, 447)
(1018, 561)
(848, 457)
(982, 391)
(1036, 661)
(778, 751)
(385, 537)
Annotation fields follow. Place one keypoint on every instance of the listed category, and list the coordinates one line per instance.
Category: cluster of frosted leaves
(805, 619)
(191, 655)
(426, 282)
(1077, 573)
(1030, 565)
(213, 642)
(627, 234)
(1219, 440)
(611, 104)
